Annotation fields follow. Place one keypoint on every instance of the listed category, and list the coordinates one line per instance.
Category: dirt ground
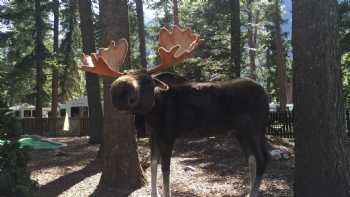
(200, 167)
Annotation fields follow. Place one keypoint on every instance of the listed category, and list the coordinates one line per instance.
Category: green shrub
(9, 125)
(14, 178)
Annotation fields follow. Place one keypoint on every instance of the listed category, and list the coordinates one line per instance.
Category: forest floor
(200, 167)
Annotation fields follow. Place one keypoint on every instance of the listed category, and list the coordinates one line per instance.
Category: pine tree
(55, 77)
(176, 13)
(252, 34)
(322, 159)
(121, 168)
(39, 48)
(70, 80)
(280, 57)
(141, 32)
(95, 129)
(235, 38)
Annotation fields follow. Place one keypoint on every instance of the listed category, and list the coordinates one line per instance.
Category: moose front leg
(155, 155)
(165, 154)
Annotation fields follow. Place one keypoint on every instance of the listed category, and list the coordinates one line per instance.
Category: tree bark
(121, 168)
(322, 159)
(55, 77)
(176, 13)
(280, 58)
(235, 38)
(252, 38)
(39, 65)
(95, 129)
(141, 32)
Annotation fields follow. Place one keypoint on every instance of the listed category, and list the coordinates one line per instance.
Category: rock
(218, 147)
(61, 154)
(187, 168)
(285, 156)
(276, 154)
(283, 149)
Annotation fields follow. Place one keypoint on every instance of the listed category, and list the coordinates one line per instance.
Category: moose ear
(160, 85)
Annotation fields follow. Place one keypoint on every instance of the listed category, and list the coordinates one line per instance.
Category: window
(27, 113)
(62, 112)
(75, 112)
(85, 111)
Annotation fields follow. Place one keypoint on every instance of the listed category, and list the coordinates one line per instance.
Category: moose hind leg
(261, 155)
(253, 179)
(256, 163)
(165, 154)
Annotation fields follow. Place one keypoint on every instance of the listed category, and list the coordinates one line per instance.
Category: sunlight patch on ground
(85, 187)
(47, 175)
(280, 185)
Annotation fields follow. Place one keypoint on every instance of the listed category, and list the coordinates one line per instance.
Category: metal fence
(281, 123)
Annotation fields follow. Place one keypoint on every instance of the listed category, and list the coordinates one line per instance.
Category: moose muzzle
(125, 93)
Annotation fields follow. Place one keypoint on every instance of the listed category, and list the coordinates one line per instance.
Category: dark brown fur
(169, 78)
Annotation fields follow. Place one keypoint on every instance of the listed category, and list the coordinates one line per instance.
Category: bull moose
(171, 110)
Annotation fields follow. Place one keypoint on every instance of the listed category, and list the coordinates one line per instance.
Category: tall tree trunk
(280, 59)
(322, 159)
(252, 38)
(289, 91)
(176, 13)
(54, 85)
(141, 31)
(95, 129)
(235, 38)
(121, 168)
(39, 65)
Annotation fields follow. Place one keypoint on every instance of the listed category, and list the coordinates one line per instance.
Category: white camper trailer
(75, 108)
(26, 110)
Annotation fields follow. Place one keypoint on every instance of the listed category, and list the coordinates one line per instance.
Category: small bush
(9, 125)
(14, 178)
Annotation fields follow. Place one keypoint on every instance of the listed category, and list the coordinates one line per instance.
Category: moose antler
(175, 46)
(107, 61)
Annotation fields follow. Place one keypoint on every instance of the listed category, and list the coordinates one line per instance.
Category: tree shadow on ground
(63, 183)
(110, 192)
(102, 191)
(222, 157)
(219, 155)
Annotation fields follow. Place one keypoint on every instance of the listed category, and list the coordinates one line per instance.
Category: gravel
(203, 167)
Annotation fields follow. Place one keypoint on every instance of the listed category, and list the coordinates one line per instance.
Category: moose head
(135, 90)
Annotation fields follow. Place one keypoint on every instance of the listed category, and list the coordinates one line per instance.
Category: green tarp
(36, 143)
